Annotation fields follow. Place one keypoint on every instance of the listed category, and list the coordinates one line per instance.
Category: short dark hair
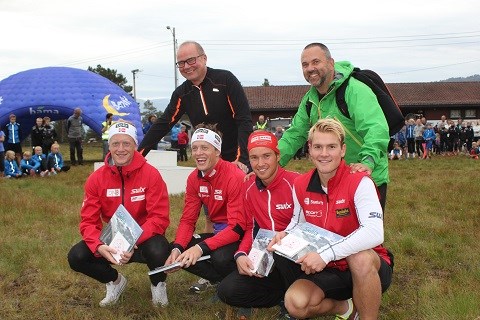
(108, 115)
(321, 46)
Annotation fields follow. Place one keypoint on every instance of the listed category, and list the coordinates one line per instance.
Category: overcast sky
(404, 41)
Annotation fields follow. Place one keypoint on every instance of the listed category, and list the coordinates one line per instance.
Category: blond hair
(9, 154)
(328, 125)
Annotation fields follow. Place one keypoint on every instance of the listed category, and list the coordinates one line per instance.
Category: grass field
(431, 224)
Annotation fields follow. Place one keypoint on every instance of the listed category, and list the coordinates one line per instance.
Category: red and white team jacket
(221, 192)
(337, 212)
(268, 207)
(138, 186)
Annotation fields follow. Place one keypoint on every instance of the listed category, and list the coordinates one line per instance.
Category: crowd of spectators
(421, 139)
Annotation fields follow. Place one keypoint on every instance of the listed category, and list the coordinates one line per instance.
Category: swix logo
(283, 206)
(42, 110)
(340, 201)
(138, 190)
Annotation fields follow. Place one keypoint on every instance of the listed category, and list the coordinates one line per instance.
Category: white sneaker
(159, 294)
(201, 286)
(114, 291)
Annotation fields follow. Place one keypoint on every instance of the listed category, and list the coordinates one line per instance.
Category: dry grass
(431, 225)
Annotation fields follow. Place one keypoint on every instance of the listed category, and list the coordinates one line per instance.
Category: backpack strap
(340, 98)
(308, 107)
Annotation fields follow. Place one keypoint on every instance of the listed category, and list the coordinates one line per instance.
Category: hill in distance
(475, 77)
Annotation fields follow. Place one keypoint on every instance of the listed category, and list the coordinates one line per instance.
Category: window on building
(455, 114)
(470, 113)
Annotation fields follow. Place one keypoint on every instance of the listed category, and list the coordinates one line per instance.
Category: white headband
(123, 128)
(209, 136)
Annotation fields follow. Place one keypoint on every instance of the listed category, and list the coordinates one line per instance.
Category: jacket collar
(315, 185)
(137, 162)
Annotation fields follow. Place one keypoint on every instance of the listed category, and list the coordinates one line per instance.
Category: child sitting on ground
(28, 165)
(474, 151)
(11, 166)
(55, 160)
(41, 158)
(396, 153)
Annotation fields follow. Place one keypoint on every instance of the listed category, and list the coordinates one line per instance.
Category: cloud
(405, 41)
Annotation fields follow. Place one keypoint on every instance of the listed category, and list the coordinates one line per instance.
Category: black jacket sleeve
(173, 112)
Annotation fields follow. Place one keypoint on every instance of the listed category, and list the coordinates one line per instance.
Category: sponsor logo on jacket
(343, 212)
(138, 190)
(308, 201)
(113, 193)
(313, 213)
(283, 206)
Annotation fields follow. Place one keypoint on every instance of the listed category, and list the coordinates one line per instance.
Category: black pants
(411, 145)
(43, 165)
(334, 283)
(382, 190)
(220, 264)
(76, 144)
(2, 159)
(182, 156)
(251, 292)
(154, 252)
(419, 147)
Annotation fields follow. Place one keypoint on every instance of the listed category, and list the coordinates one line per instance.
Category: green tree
(112, 75)
(149, 109)
(266, 83)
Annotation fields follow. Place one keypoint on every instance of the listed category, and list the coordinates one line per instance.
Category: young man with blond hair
(358, 266)
(127, 179)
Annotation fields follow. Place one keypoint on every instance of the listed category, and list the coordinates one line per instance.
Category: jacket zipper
(123, 185)
(203, 100)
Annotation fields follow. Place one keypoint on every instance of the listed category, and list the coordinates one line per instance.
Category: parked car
(165, 143)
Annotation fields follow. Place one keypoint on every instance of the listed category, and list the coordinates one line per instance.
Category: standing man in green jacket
(367, 134)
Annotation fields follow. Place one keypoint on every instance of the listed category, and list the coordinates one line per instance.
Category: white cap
(209, 136)
(123, 128)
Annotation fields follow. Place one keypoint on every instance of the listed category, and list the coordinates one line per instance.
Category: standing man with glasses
(210, 96)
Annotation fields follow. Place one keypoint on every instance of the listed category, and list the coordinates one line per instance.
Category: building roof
(406, 94)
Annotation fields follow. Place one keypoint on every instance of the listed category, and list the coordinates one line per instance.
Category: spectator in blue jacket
(55, 160)
(150, 121)
(41, 158)
(410, 135)
(11, 166)
(28, 165)
(429, 137)
(174, 135)
(13, 137)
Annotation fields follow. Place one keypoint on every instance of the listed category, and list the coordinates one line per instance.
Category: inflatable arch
(56, 91)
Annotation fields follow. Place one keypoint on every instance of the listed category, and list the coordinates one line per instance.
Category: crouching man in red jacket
(357, 266)
(126, 178)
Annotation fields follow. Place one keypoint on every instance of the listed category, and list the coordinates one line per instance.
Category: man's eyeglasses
(190, 61)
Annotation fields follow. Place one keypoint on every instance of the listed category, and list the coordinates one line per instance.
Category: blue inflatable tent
(56, 91)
